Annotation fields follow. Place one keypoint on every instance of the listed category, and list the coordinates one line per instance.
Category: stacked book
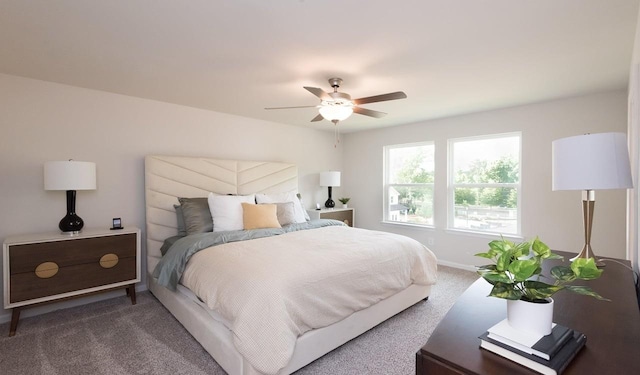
(549, 354)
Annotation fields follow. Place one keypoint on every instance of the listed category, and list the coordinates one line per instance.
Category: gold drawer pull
(109, 260)
(46, 270)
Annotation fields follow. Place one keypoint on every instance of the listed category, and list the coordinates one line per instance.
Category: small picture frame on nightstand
(117, 223)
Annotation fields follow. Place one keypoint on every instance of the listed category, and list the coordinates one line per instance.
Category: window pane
(411, 204)
(494, 160)
(411, 164)
(486, 209)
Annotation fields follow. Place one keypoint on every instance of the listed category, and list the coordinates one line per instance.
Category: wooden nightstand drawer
(27, 286)
(25, 258)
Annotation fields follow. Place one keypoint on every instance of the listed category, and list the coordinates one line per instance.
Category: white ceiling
(449, 56)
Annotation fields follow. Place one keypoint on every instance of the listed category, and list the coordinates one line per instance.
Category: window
(484, 183)
(408, 188)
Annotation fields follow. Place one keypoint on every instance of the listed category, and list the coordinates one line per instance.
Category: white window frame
(386, 184)
(451, 185)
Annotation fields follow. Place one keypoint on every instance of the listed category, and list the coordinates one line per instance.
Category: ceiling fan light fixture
(333, 112)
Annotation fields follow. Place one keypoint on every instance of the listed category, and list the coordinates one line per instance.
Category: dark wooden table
(612, 329)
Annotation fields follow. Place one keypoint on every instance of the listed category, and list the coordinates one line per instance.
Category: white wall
(554, 216)
(634, 151)
(43, 121)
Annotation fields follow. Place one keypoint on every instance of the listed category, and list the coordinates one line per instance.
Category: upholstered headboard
(169, 177)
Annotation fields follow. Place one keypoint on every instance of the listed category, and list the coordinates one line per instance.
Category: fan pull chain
(336, 138)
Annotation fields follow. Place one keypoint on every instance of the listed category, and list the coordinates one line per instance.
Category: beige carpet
(114, 337)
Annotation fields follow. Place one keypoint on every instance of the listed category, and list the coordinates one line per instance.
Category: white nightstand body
(347, 215)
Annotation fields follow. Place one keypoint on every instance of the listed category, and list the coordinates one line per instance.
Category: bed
(228, 338)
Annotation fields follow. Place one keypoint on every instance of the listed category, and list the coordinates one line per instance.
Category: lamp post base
(588, 207)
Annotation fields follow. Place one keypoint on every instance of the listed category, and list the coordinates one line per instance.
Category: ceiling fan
(337, 106)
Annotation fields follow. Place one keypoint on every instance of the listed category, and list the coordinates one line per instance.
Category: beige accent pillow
(256, 216)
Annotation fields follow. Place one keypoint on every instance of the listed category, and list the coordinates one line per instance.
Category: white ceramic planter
(531, 317)
(345, 206)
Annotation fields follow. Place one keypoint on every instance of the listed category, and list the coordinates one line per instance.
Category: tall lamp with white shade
(591, 162)
(330, 179)
(70, 176)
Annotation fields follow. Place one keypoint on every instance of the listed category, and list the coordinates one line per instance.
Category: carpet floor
(115, 337)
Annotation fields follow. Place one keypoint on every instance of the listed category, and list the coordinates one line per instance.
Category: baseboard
(5, 317)
(457, 265)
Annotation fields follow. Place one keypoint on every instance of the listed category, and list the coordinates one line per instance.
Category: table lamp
(330, 179)
(591, 162)
(70, 176)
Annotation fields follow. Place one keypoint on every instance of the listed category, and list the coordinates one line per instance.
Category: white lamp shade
(591, 162)
(69, 175)
(331, 178)
(335, 112)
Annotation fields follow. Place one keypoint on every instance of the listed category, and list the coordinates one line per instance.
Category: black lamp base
(71, 223)
(329, 203)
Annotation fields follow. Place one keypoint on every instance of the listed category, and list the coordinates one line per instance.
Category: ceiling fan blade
(302, 106)
(381, 98)
(368, 112)
(320, 93)
(317, 118)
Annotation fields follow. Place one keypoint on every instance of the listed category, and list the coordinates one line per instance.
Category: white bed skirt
(217, 339)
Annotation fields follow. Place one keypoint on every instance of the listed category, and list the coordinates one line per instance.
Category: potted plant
(344, 202)
(516, 276)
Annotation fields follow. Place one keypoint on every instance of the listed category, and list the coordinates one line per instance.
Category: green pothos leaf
(493, 276)
(522, 249)
(506, 291)
(563, 273)
(539, 290)
(542, 250)
(503, 261)
(585, 291)
(499, 246)
(585, 269)
(487, 267)
(523, 269)
(484, 255)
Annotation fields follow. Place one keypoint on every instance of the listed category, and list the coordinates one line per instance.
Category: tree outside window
(409, 178)
(484, 183)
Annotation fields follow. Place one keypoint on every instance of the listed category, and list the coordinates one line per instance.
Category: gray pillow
(196, 214)
(286, 213)
(182, 230)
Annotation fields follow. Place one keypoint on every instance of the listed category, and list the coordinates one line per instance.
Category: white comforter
(274, 289)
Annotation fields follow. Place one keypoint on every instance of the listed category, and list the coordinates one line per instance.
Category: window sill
(491, 235)
(407, 225)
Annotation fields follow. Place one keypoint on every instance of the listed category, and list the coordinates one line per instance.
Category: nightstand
(346, 215)
(48, 267)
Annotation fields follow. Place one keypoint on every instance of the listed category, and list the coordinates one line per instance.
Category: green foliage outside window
(504, 170)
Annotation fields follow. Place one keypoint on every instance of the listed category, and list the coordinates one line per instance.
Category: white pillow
(226, 211)
(283, 198)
